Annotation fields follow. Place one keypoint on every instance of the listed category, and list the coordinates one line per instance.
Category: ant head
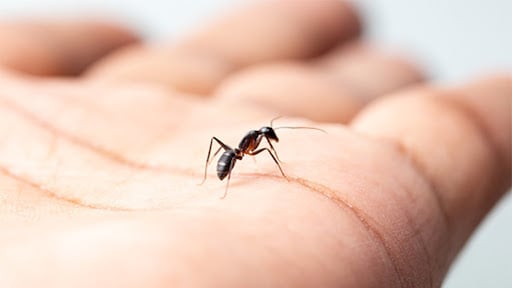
(269, 132)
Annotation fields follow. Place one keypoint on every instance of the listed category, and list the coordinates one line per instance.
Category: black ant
(247, 146)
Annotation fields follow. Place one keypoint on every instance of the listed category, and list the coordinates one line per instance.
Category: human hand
(99, 172)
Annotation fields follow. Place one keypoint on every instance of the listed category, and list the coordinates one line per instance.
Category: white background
(456, 40)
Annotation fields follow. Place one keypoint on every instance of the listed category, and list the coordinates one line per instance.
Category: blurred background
(454, 40)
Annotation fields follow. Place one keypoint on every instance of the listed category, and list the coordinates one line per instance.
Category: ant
(247, 146)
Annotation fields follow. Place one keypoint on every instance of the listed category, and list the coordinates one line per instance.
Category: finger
(459, 140)
(58, 48)
(271, 30)
(264, 31)
(330, 89)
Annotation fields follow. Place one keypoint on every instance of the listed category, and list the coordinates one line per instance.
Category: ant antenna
(293, 127)
(300, 127)
(273, 119)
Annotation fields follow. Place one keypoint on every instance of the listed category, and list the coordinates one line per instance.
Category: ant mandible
(247, 146)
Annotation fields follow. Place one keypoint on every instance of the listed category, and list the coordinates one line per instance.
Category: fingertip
(275, 30)
(49, 47)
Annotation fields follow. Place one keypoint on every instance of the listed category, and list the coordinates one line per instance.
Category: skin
(99, 172)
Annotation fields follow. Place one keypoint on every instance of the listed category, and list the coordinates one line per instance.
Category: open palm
(99, 172)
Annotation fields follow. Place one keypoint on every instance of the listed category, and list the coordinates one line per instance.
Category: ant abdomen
(225, 164)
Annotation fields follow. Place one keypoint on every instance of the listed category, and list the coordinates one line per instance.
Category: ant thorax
(250, 141)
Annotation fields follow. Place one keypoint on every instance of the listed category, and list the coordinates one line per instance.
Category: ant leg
(273, 150)
(214, 154)
(273, 157)
(231, 165)
(208, 160)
